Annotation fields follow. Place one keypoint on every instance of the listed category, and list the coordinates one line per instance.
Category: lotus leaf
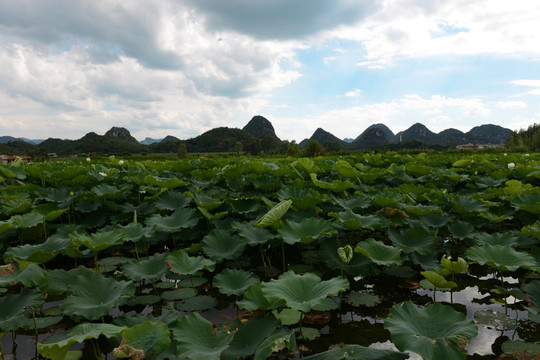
(354, 221)
(152, 337)
(171, 200)
(196, 340)
(378, 252)
(130, 320)
(222, 244)
(308, 333)
(234, 281)
(529, 202)
(163, 182)
(345, 254)
(302, 292)
(179, 294)
(181, 263)
(461, 229)
(307, 231)
(435, 332)
(416, 238)
(6, 226)
(92, 295)
(107, 191)
(357, 202)
(275, 343)
(56, 347)
(254, 299)
(27, 220)
(454, 267)
(30, 276)
(152, 268)
(273, 216)
(207, 202)
(435, 280)
(302, 198)
(335, 186)
(507, 238)
(532, 290)
(182, 218)
(356, 298)
(248, 336)
(244, 206)
(522, 349)
(498, 320)
(288, 316)
(50, 212)
(346, 170)
(197, 303)
(306, 164)
(501, 257)
(466, 205)
(12, 316)
(357, 352)
(41, 253)
(359, 265)
(252, 234)
(135, 232)
(100, 240)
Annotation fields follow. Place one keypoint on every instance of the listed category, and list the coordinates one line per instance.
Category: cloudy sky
(182, 67)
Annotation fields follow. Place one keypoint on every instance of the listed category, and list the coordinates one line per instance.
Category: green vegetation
(272, 245)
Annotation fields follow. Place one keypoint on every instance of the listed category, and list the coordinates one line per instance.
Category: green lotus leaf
(252, 234)
(532, 290)
(359, 265)
(273, 216)
(182, 218)
(415, 238)
(107, 191)
(275, 343)
(435, 220)
(17, 205)
(100, 240)
(163, 182)
(378, 252)
(495, 319)
(345, 254)
(178, 294)
(12, 316)
(489, 182)
(346, 170)
(50, 212)
(501, 257)
(435, 332)
(461, 163)
(130, 320)
(437, 280)
(532, 230)
(91, 295)
(308, 333)
(135, 232)
(244, 206)
(335, 186)
(529, 202)
(357, 202)
(522, 349)
(302, 292)
(151, 268)
(153, 337)
(234, 281)
(181, 263)
(212, 217)
(248, 336)
(60, 195)
(390, 199)
(143, 300)
(507, 238)
(466, 205)
(356, 298)
(357, 352)
(287, 316)
(196, 340)
(222, 244)
(31, 276)
(354, 221)
(71, 172)
(207, 202)
(6, 226)
(196, 303)
(171, 200)
(56, 347)
(302, 198)
(27, 220)
(39, 253)
(254, 299)
(461, 229)
(454, 267)
(307, 164)
(306, 231)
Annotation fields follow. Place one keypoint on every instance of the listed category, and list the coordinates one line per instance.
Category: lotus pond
(371, 256)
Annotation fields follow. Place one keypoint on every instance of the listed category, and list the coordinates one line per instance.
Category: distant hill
(488, 134)
(7, 139)
(374, 137)
(148, 141)
(417, 132)
(121, 134)
(322, 137)
(452, 137)
(259, 126)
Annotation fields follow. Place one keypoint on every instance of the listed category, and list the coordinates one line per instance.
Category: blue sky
(180, 68)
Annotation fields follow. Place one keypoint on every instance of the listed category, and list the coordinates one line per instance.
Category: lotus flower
(511, 166)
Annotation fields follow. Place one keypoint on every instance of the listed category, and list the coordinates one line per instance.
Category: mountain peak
(120, 133)
(259, 126)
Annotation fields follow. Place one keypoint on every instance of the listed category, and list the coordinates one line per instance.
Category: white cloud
(353, 93)
(510, 104)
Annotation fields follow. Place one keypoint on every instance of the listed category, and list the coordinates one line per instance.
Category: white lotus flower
(511, 166)
(104, 174)
(526, 154)
(121, 162)
(88, 159)
(505, 154)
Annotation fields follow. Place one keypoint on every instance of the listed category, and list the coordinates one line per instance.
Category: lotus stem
(300, 325)
(264, 262)
(283, 255)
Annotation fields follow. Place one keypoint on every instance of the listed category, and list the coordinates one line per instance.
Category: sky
(183, 67)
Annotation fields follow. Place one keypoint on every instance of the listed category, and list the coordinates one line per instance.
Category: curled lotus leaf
(282, 340)
(254, 299)
(302, 292)
(273, 216)
(31, 276)
(100, 240)
(152, 337)
(357, 352)
(378, 252)
(39, 253)
(435, 332)
(354, 221)
(182, 218)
